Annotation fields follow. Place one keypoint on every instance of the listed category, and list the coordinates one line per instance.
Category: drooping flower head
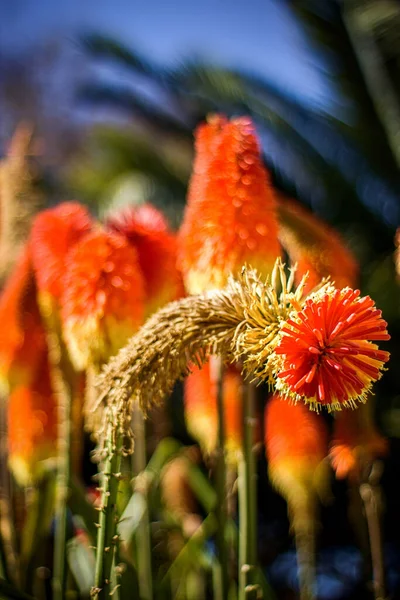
(296, 444)
(32, 427)
(22, 335)
(146, 228)
(201, 413)
(326, 355)
(230, 218)
(316, 248)
(356, 442)
(102, 301)
(54, 232)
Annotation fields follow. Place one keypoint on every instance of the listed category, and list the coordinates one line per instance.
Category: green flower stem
(221, 488)
(63, 483)
(106, 535)
(143, 535)
(305, 550)
(371, 496)
(247, 491)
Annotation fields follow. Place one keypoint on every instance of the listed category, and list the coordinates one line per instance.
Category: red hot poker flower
(201, 409)
(102, 302)
(230, 218)
(326, 356)
(54, 232)
(147, 230)
(296, 443)
(22, 336)
(356, 442)
(32, 426)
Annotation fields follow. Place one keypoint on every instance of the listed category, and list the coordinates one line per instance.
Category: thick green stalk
(221, 487)
(143, 535)
(106, 535)
(63, 483)
(247, 492)
(305, 549)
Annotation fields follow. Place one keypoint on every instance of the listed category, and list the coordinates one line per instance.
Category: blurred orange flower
(54, 232)
(296, 444)
(201, 409)
(326, 356)
(32, 426)
(355, 442)
(103, 298)
(22, 335)
(146, 228)
(230, 218)
(315, 247)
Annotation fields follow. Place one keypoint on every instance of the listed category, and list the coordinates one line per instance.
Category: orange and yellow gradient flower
(230, 218)
(326, 355)
(296, 445)
(54, 232)
(32, 427)
(356, 442)
(103, 298)
(201, 414)
(22, 335)
(146, 228)
(316, 248)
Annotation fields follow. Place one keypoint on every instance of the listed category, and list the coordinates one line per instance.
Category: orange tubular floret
(201, 409)
(22, 336)
(147, 230)
(326, 355)
(54, 232)
(316, 248)
(103, 299)
(355, 442)
(230, 218)
(32, 427)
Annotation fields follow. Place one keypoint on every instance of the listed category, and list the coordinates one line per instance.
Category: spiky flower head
(102, 300)
(296, 444)
(230, 218)
(316, 248)
(22, 335)
(201, 413)
(146, 228)
(32, 427)
(356, 443)
(54, 232)
(326, 355)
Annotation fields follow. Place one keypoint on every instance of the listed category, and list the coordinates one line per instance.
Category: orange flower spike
(355, 442)
(230, 218)
(103, 298)
(315, 247)
(54, 232)
(147, 230)
(201, 409)
(326, 356)
(296, 443)
(22, 337)
(32, 427)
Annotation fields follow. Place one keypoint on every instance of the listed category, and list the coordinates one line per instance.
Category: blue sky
(256, 34)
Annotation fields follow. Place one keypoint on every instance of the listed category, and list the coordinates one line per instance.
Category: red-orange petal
(54, 232)
(315, 247)
(230, 218)
(103, 298)
(146, 228)
(22, 335)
